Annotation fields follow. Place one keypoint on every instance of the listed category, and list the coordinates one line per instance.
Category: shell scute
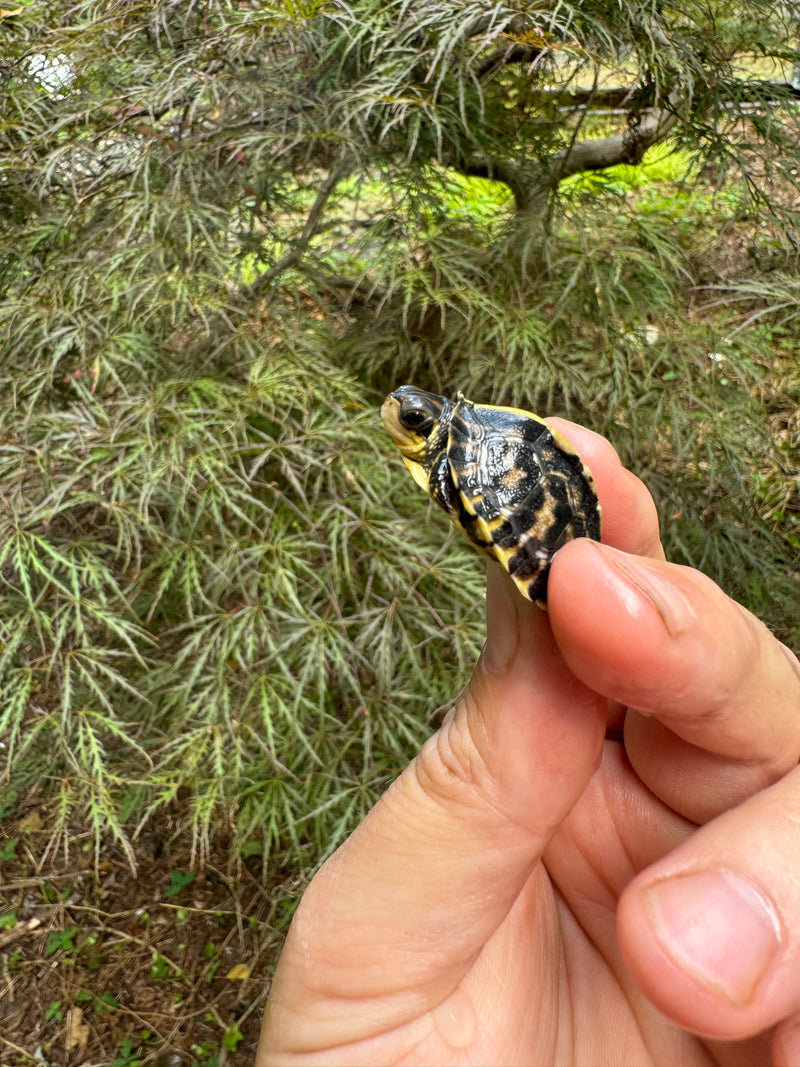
(515, 487)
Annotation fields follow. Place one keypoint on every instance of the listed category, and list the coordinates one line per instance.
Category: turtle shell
(516, 487)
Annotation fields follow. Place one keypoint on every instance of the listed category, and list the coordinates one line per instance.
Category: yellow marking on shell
(504, 556)
(494, 523)
(484, 529)
(469, 503)
(512, 477)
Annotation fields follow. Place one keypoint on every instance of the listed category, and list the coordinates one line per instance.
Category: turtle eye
(418, 420)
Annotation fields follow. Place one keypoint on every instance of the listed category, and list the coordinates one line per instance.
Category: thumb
(535, 728)
(435, 867)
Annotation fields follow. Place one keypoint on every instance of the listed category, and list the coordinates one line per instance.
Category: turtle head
(417, 422)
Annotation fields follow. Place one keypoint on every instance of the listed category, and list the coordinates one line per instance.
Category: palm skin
(501, 903)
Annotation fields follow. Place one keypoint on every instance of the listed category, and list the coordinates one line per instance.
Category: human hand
(596, 859)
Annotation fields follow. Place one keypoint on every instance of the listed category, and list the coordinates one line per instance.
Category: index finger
(629, 517)
(717, 697)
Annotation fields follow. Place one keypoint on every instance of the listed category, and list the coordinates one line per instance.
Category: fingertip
(666, 640)
(502, 622)
(609, 626)
(676, 940)
(629, 515)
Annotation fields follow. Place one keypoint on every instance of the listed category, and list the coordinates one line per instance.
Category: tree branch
(617, 96)
(312, 221)
(513, 177)
(505, 56)
(628, 147)
(530, 186)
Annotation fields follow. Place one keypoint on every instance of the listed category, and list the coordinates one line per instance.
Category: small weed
(61, 941)
(54, 1011)
(207, 1054)
(127, 1055)
(231, 1038)
(178, 881)
(161, 968)
(9, 850)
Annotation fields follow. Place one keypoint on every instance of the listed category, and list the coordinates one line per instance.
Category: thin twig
(296, 251)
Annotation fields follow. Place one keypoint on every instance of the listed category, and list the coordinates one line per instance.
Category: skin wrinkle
(359, 1048)
(749, 657)
(753, 659)
(461, 776)
(351, 1006)
(477, 800)
(673, 776)
(338, 1001)
(459, 987)
(746, 658)
(333, 993)
(462, 725)
(479, 797)
(565, 993)
(652, 809)
(577, 844)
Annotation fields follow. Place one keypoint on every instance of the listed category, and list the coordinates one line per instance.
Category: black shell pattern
(522, 492)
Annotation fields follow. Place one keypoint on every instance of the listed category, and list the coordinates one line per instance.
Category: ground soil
(99, 966)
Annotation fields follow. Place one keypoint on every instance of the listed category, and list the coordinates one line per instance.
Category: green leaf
(178, 881)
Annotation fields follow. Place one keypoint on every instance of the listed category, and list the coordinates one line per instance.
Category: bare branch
(627, 147)
(516, 179)
(312, 221)
(618, 96)
(504, 56)
(531, 185)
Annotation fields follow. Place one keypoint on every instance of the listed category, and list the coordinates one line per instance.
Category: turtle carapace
(515, 487)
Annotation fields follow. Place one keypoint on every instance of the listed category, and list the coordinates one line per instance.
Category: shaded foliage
(225, 231)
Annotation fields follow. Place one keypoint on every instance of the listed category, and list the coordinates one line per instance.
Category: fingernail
(718, 928)
(675, 610)
(502, 622)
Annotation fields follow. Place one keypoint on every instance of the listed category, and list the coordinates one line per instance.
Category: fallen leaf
(5, 12)
(77, 1030)
(32, 823)
(238, 972)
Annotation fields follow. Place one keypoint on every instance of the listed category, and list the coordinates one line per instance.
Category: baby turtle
(512, 484)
